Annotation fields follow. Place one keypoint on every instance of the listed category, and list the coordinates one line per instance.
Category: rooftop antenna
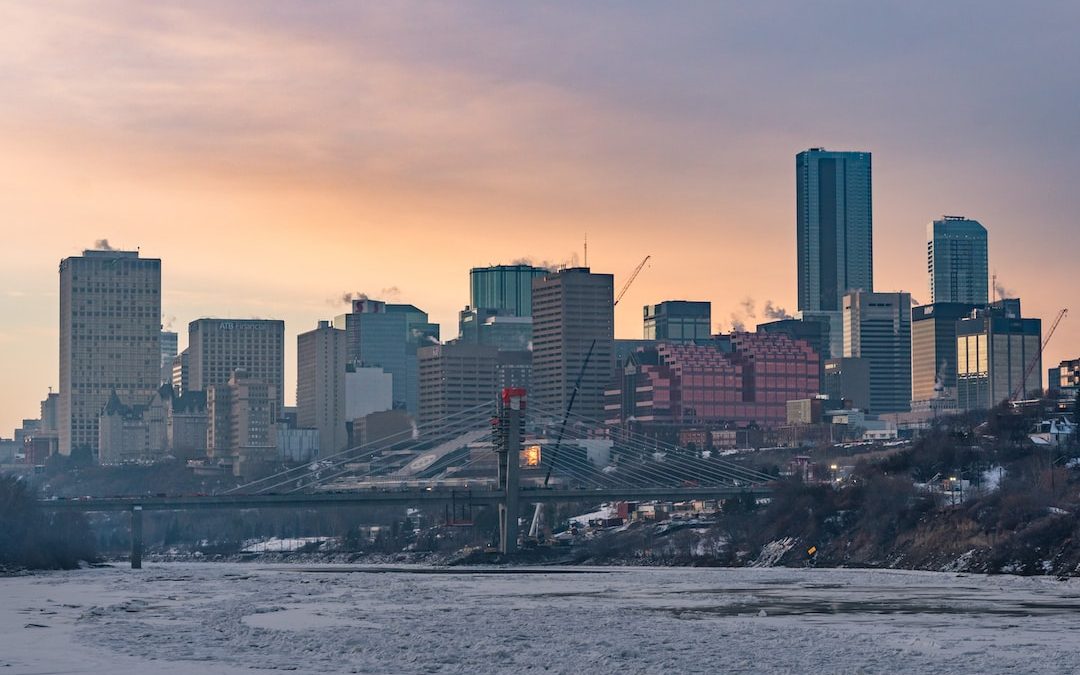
(586, 249)
(994, 284)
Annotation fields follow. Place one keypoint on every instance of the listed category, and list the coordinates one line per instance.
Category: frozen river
(239, 618)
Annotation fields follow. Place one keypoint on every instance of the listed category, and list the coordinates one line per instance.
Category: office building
(505, 288)
(181, 372)
(834, 227)
(777, 369)
(42, 434)
(847, 379)
(169, 346)
(933, 349)
(123, 433)
(241, 417)
(956, 260)
(218, 347)
(1067, 376)
(297, 445)
(455, 379)
(382, 430)
(50, 413)
(998, 355)
(1063, 383)
(877, 327)
(678, 321)
(626, 347)
(831, 327)
(136, 431)
(367, 390)
(514, 369)
(386, 336)
(813, 333)
(110, 331)
(494, 327)
(573, 334)
(8, 450)
(321, 357)
(186, 425)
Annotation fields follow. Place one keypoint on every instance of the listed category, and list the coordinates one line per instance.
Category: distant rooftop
(109, 253)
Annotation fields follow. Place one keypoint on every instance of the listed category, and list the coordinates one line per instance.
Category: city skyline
(278, 216)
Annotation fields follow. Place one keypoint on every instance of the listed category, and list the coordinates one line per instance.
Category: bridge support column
(509, 469)
(136, 537)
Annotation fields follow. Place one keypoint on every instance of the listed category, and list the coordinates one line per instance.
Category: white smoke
(773, 311)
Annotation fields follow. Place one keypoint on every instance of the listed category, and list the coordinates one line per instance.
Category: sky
(276, 155)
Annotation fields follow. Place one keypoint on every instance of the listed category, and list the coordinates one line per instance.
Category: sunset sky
(275, 155)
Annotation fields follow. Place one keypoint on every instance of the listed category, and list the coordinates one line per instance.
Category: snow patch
(772, 552)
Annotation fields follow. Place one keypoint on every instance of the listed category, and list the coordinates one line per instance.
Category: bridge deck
(390, 497)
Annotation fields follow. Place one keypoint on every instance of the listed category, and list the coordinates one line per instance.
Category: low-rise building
(186, 425)
(848, 379)
(296, 445)
(742, 380)
(135, 432)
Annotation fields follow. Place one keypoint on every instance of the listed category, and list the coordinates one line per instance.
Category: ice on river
(241, 618)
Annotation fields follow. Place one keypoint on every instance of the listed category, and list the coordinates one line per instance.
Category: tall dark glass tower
(835, 227)
(956, 260)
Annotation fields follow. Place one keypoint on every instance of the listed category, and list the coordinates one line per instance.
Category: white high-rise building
(110, 338)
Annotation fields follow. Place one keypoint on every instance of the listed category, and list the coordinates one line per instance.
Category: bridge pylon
(508, 445)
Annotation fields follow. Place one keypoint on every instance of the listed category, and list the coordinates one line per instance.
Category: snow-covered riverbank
(231, 618)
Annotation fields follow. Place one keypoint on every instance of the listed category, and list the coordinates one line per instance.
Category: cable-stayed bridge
(502, 453)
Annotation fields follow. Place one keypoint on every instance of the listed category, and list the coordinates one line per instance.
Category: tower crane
(1022, 387)
(633, 275)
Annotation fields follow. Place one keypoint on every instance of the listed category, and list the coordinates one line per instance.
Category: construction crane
(535, 526)
(633, 275)
(1022, 387)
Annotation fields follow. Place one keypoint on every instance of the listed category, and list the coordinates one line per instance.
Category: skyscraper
(834, 227)
(321, 357)
(217, 347)
(110, 338)
(877, 327)
(507, 288)
(387, 336)
(956, 260)
(573, 313)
